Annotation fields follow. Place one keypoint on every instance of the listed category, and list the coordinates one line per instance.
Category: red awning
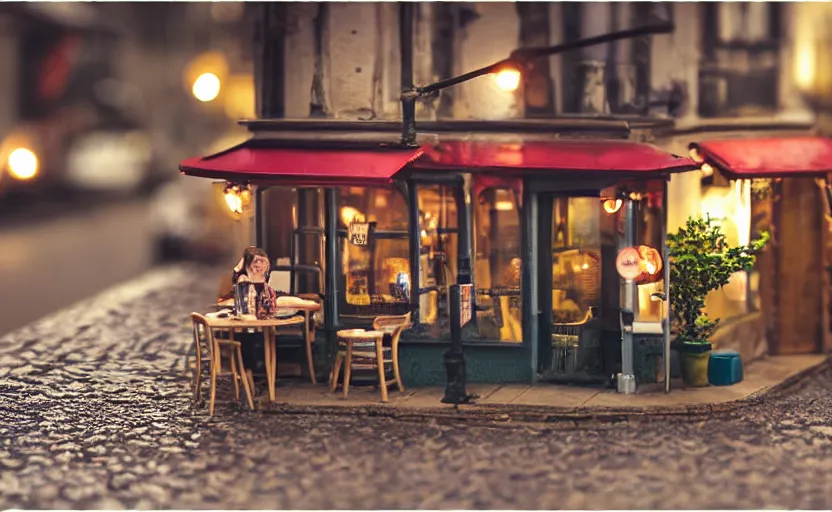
(769, 157)
(314, 167)
(600, 156)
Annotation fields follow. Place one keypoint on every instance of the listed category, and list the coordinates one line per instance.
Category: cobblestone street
(94, 413)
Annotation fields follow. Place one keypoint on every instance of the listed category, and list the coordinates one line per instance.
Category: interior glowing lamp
(350, 214)
(707, 170)
(612, 205)
(508, 78)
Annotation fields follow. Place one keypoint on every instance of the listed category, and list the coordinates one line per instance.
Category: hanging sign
(640, 263)
(628, 263)
(466, 306)
(359, 233)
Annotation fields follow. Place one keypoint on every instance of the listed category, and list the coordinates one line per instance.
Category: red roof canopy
(600, 156)
(319, 166)
(768, 157)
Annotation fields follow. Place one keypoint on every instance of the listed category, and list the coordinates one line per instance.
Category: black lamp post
(455, 390)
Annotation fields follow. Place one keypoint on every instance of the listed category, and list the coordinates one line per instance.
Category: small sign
(466, 306)
(359, 233)
(628, 263)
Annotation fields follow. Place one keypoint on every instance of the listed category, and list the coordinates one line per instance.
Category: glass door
(570, 270)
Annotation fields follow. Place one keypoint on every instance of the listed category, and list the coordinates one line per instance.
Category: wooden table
(268, 327)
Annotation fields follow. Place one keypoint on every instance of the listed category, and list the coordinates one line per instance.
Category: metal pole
(627, 379)
(666, 305)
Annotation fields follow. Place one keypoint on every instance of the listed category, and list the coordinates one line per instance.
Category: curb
(564, 417)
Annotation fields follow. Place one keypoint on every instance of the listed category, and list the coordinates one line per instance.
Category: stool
(725, 368)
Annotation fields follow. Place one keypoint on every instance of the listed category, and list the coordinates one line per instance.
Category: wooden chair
(305, 332)
(217, 350)
(362, 355)
(393, 326)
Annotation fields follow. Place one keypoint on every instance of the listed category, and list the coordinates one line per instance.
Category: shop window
(376, 274)
(438, 229)
(294, 238)
(497, 266)
(730, 207)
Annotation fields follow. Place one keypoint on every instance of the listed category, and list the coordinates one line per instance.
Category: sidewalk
(548, 402)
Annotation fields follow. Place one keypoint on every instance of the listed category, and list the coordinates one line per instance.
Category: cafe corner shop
(536, 218)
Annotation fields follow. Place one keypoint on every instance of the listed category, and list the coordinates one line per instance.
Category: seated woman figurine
(257, 297)
(253, 295)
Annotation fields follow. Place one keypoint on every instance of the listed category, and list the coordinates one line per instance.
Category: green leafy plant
(701, 261)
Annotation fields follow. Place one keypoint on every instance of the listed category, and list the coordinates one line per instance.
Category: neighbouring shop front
(754, 180)
(535, 224)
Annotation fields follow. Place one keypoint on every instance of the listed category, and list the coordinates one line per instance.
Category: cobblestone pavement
(94, 413)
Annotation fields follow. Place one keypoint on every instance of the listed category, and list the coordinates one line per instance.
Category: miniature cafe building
(534, 221)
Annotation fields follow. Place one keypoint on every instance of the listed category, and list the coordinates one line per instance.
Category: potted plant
(701, 261)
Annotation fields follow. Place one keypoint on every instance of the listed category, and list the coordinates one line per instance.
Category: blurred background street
(98, 103)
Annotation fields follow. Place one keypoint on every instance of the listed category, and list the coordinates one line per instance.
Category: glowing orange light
(508, 79)
(612, 205)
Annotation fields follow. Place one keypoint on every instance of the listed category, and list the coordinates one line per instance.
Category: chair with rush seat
(362, 349)
(218, 349)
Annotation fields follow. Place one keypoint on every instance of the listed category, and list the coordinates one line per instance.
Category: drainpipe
(406, 50)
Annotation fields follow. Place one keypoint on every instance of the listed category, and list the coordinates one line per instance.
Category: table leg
(382, 382)
(272, 368)
(348, 368)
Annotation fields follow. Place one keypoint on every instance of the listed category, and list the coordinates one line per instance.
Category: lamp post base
(455, 392)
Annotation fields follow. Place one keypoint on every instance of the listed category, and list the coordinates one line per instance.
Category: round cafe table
(268, 326)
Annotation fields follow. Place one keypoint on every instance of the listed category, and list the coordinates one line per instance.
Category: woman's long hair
(249, 254)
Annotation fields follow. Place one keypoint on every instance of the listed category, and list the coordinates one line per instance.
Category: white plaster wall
(351, 48)
(299, 58)
(684, 197)
(596, 20)
(484, 41)
(676, 56)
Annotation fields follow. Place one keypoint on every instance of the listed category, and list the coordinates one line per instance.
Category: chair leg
(232, 360)
(347, 369)
(197, 381)
(250, 376)
(310, 362)
(214, 369)
(245, 376)
(382, 382)
(336, 372)
(396, 373)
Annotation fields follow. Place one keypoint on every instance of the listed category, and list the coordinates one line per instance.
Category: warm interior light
(23, 164)
(206, 87)
(508, 79)
(695, 156)
(707, 170)
(504, 206)
(237, 197)
(350, 214)
(612, 205)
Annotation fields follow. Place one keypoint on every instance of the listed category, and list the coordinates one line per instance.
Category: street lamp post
(455, 391)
